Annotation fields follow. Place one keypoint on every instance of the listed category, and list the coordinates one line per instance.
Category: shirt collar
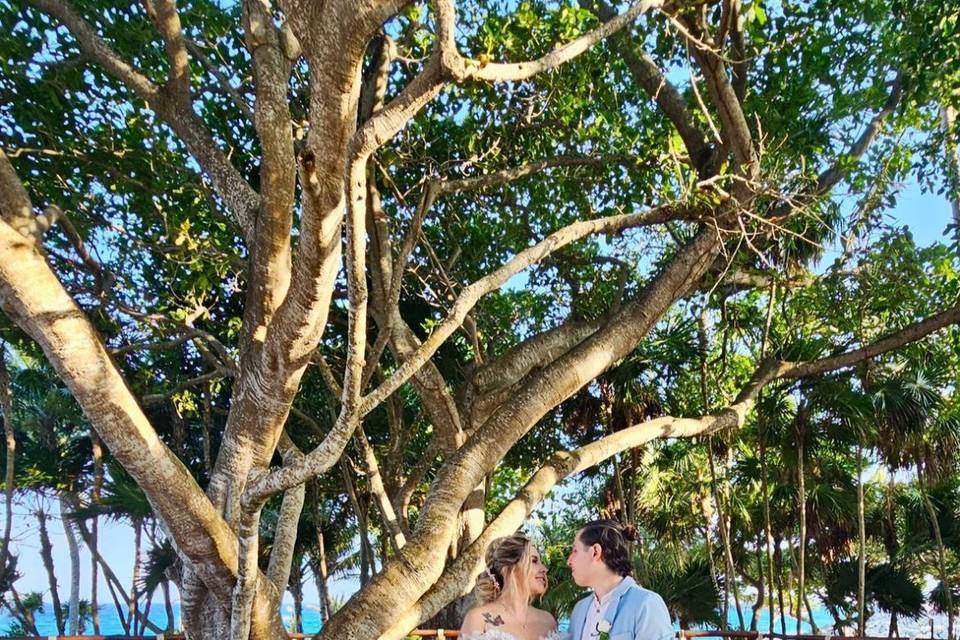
(616, 592)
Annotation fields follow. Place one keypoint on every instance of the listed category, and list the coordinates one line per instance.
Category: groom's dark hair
(614, 539)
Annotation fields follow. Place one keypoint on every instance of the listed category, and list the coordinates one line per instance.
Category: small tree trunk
(761, 588)
(145, 614)
(22, 614)
(764, 489)
(366, 552)
(862, 545)
(801, 562)
(319, 565)
(207, 421)
(123, 618)
(69, 530)
(296, 590)
(708, 542)
(729, 566)
(171, 622)
(813, 623)
(46, 555)
(780, 589)
(132, 604)
(6, 405)
(949, 115)
(97, 449)
(941, 549)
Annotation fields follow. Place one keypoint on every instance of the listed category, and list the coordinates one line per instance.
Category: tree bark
(9, 478)
(69, 529)
(768, 533)
(133, 602)
(952, 149)
(861, 545)
(296, 590)
(760, 586)
(941, 549)
(96, 447)
(801, 486)
(46, 554)
(778, 554)
(168, 607)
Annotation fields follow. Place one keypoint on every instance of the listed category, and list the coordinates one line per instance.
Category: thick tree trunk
(406, 578)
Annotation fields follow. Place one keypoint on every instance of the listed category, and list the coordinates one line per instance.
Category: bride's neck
(514, 601)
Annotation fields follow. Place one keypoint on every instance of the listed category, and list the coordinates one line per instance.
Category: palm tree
(122, 499)
(54, 460)
(920, 430)
(161, 560)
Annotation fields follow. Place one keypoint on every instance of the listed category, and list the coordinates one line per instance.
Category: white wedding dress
(496, 634)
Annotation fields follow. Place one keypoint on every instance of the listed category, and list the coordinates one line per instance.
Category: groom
(618, 608)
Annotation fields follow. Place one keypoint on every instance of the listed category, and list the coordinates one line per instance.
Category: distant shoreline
(877, 625)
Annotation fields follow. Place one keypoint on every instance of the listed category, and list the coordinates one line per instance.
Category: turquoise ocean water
(110, 622)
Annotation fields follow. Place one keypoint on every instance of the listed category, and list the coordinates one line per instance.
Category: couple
(618, 608)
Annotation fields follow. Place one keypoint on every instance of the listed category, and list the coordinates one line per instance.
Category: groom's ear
(596, 551)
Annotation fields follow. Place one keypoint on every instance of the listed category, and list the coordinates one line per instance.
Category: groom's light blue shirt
(634, 613)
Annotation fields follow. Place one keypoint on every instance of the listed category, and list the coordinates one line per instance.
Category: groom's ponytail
(614, 540)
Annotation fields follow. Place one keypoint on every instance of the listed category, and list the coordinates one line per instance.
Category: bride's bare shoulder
(476, 618)
(545, 617)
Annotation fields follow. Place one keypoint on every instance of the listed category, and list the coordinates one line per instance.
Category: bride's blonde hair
(508, 562)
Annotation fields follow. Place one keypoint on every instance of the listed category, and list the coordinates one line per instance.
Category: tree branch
(504, 72)
(31, 296)
(472, 294)
(734, 125)
(167, 22)
(515, 173)
(16, 209)
(377, 490)
(829, 178)
(648, 76)
(285, 537)
(155, 398)
(240, 198)
(197, 52)
(269, 264)
(458, 578)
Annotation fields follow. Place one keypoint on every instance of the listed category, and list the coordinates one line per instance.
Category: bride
(514, 575)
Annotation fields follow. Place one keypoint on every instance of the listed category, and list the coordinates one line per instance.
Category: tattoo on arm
(490, 620)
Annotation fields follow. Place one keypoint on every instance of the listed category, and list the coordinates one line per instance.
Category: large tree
(284, 194)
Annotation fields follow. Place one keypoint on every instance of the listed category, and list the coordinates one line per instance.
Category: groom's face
(584, 562)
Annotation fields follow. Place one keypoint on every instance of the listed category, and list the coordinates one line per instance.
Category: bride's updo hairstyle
(507, 567)
(614, 540)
